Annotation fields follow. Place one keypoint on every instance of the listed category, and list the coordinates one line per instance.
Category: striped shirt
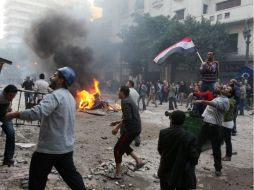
(209, 71)
(215, 114)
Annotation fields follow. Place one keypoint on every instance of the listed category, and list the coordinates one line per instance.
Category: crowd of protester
(181, 93)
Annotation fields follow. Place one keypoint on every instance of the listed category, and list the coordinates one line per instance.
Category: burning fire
(87, 98)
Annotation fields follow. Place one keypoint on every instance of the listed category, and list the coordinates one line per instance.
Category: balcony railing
(227, 4)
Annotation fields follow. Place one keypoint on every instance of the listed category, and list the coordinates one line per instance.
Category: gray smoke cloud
(59, 40)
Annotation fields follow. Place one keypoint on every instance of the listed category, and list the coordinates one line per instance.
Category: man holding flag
(209, 73)
(209, 69)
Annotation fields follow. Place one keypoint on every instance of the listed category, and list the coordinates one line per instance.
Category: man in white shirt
(134, 95)
(41, 86)
(213, 118)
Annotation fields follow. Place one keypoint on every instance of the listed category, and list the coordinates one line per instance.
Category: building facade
(236, 13)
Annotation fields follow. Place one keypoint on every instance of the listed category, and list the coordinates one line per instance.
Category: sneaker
(137, 143)
(233, 134)
(9, 162)
(218, 173)
(226, 158)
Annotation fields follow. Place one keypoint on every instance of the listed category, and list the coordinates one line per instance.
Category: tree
(150, 35)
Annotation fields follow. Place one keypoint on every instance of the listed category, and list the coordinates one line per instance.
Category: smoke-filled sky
(96, 12)
(2, 2)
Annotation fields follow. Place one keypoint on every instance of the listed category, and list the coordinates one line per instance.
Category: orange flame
(87, 98)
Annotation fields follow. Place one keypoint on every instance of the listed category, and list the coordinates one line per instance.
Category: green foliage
(150, 35)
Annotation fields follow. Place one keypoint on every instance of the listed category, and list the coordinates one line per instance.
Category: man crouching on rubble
(56, 137)
(130, 128)
(179, 155)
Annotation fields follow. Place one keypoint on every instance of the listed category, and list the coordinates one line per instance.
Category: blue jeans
(241, 106)
(28, 97)
(8, 129)
(207, 86)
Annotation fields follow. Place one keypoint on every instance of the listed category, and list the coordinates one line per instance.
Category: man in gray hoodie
(56, 138)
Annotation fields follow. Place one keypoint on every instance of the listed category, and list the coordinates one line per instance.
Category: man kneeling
(179, 155)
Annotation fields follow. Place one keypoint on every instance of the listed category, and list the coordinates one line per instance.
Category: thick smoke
(59, 40)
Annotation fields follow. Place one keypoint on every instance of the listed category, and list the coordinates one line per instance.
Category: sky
(2, 2)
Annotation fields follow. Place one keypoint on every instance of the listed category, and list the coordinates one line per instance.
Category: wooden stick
(200, 57)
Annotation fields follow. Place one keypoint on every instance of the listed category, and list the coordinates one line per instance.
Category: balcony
(227, 4)
(231, 15)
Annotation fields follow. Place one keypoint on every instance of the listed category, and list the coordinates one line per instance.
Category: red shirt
(209, 96)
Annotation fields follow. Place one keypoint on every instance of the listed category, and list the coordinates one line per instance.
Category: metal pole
(247, 50)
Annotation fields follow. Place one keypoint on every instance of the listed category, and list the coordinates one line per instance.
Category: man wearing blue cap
(56, 138)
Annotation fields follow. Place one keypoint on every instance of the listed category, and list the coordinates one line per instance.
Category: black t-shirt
(4, 105)
(28, 85)
(131, 117)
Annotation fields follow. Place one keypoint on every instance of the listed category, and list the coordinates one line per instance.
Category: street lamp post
(247, 35)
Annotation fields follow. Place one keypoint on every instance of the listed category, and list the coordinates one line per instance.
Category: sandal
(138, 166)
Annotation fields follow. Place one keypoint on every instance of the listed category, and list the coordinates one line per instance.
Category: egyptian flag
(185, 45)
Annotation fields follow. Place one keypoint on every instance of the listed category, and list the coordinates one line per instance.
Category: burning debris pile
(91, 99)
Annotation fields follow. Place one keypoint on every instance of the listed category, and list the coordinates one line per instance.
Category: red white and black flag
(185, 45)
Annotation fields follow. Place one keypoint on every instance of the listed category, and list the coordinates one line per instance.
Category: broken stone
(109, 148)
(122, 186)
(25, 145)
(155, 176)
(116, 183)
(104, 138)
(89, 177)
(205, 168)
(201, 185)
(130, 185)
(104, 180)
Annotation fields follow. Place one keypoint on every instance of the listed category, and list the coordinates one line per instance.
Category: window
(227, 15)
(157, 4)
(211, 18)
(179, 14)
(233, 43)
(227, 4)
(219, 17)
(205, 8)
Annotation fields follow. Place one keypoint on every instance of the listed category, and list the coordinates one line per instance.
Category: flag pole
(200, 57)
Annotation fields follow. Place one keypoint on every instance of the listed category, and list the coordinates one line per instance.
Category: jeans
(28, 97)
(181, 97)
(161, 97)
(8, 129)
(213, 133)
(41, 165)
(241, 106)
(227, 139)
(172, 103)
(207, 86)
(234, 131)
(143, 102)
